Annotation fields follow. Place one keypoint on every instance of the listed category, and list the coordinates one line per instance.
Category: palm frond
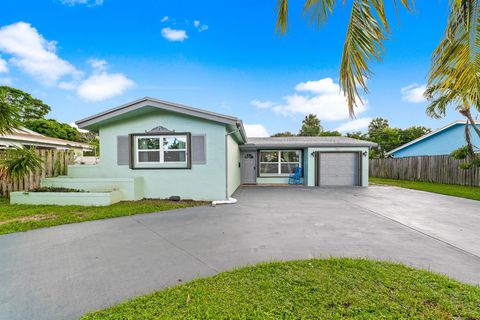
(19, 162)
(363, 43)
(319, 10)
(282, 16)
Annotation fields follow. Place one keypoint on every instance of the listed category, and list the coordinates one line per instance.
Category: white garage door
(338, 169)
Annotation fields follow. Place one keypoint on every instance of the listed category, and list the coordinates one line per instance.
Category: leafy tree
(387, 138)
(330, 134)
(283, 134)
(358, 135)
(27, 106)
(53, 128)
(412, 133)
(310, 126)
(367, 29)
(9, 114)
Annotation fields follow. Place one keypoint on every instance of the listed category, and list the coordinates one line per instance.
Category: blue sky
(84, 56)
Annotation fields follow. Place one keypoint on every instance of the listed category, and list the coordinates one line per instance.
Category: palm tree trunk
(467, 114)
(471, 153)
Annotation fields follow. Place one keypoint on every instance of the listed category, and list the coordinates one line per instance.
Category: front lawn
(309, 289)
(447, 189)
(15, 218)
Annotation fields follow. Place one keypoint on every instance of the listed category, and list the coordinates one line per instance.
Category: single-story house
(28, 138)
(156, 149)
(439, 142)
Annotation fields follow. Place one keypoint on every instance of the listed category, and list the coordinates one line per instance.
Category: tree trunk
(467, 114)
(471, 153)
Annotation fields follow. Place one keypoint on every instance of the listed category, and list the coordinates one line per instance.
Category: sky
(85, 56)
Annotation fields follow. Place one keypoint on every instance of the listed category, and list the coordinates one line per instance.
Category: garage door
(337, 169)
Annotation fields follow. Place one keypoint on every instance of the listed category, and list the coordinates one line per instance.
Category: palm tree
(16, 162)
(367, 29)
(454, 78)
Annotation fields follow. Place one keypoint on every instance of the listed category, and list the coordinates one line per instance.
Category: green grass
(15, 218)
(309, 289)
(447, 189)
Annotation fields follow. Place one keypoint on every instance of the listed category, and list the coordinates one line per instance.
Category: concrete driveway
(66, 271)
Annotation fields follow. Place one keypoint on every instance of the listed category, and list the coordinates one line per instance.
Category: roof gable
(94, 121)
(448, 129)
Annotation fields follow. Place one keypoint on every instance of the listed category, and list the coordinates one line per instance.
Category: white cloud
(74, 125)
(174, 34)
(200, 27)
(6, 81)
(262, 104)
(325, 85)
(98, 64)
(68, 85)
(102, 86)
(414, 93)
(256, 130)
(88, 3)
(354, 125)
(32, 53)
(164, 19)
(3, 66)
(322, 97)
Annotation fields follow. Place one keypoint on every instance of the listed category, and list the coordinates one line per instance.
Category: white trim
(161, 150)
(427, 135)
(279, 163)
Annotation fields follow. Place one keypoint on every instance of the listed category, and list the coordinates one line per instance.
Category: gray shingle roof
(303, 142)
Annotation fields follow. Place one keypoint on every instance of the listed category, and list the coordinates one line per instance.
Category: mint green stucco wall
(201, 182)
(233, 167)
(310, 162)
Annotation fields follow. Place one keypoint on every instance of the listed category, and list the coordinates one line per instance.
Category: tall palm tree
(367, 29)
(454, 78)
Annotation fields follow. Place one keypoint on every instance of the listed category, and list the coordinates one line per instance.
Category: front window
(160, 151)
(281, 163)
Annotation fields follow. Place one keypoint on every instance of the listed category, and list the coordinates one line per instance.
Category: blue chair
(296, 177)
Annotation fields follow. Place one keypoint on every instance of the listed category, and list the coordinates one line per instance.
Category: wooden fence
(55, 163)
(441, 169)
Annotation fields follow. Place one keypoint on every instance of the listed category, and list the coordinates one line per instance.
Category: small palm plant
(19, 162)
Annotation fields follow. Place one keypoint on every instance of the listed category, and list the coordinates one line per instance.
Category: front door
(248, 167)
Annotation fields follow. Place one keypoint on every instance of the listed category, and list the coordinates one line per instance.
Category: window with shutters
(161, 151)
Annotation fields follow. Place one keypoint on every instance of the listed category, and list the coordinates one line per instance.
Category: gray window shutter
(199, 149)
(123, 152)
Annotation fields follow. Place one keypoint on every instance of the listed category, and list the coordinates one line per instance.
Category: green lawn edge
(19, 218)
(467, 192)
(308, 289)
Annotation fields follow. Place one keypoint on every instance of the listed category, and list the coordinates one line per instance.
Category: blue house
(439, 142)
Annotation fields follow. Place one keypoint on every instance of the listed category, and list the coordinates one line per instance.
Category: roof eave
(147, 101)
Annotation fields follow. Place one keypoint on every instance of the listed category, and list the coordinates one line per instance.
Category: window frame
(279, 163)
(134, 151)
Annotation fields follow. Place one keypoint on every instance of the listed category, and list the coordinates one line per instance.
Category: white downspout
(228, 200)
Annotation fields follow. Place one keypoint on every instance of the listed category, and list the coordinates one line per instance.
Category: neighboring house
(439, 142)
(156, 149)
(28, 138)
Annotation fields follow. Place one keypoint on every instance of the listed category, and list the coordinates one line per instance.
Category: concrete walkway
(66, 271)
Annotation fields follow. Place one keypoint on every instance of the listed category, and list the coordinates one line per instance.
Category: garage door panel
(338, 169)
